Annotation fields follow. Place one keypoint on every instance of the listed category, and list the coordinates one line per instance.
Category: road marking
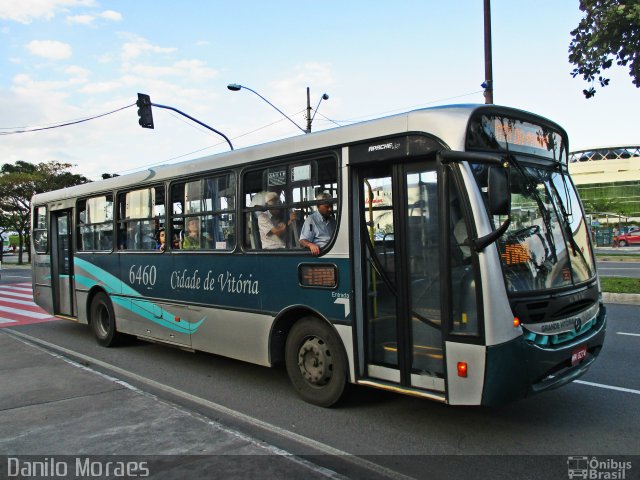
(608, 387)
(18, 302)
(630, 334)
(324, 448)
(23, 312)
(9, 293)
(18, 308)
(15, 287)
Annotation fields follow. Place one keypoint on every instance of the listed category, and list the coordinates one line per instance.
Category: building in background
(608, 180)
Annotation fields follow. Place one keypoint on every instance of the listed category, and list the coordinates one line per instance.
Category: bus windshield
(546, 245)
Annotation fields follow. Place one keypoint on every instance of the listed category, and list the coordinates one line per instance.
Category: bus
(459, 266)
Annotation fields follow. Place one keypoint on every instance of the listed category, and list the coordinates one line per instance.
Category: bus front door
(62, 264)
(400, 264)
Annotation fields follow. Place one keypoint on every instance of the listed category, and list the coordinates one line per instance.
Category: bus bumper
(520, 368)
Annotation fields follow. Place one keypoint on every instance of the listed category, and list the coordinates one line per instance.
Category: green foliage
(609, 31)
(620, 284)
(603, 205)
(20, 181)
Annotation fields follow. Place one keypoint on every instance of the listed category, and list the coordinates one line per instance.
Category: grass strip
(620, 285)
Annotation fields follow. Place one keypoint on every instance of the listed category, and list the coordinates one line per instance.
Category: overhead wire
(66, 124)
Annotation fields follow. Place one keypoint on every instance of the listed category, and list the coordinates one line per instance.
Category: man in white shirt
(272, 227)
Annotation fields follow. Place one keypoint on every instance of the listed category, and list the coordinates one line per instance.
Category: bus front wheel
(316, 362)
(103, 320)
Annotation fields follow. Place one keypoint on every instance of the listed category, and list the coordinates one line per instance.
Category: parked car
(624, 230)
(631, 238)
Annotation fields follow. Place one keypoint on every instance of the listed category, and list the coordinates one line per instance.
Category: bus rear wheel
(103, 320)
(316, 362)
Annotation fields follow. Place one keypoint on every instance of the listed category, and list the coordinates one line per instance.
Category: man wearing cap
(318, 227)
(272, 227)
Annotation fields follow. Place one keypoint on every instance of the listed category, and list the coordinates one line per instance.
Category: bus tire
(103, 320)
(316, 362)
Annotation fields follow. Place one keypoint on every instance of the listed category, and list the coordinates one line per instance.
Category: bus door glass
(398, 217)
(62, 263)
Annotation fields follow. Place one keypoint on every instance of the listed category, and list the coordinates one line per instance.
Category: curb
(621, 298)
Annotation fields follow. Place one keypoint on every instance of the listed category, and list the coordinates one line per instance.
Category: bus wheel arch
(102, 318)
(316, 361)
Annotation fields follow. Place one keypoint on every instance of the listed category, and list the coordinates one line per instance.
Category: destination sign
(498, 132)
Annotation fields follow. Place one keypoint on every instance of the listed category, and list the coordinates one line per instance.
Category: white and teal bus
(460, 268)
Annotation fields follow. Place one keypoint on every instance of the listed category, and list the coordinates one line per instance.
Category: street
(592, 416)
(619, 269)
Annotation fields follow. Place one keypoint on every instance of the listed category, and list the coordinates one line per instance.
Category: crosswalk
(18, 308)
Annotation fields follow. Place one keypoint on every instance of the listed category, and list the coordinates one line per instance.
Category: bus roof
(448, 123)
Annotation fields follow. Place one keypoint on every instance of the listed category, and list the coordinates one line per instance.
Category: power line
(67, 123)
(155, 164)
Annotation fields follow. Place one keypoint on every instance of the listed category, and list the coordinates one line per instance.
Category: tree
(19, 182)
(609, 31)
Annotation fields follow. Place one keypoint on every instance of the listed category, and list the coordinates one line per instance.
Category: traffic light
(144, 111)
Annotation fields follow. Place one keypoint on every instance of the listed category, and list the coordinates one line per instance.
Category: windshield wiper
(565, 217)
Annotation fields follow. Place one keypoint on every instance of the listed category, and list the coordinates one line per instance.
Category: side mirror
(498, 202)
(498, 191)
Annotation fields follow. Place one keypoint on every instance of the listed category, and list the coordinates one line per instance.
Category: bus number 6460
(142, 275)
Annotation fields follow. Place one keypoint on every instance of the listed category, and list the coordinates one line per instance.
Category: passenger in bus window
(271, 225)
(192, 239)
(162, 242)
(318, 227)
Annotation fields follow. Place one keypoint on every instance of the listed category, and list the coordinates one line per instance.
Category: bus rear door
(62, 263)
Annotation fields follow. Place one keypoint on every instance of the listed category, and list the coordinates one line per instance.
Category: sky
(64, 60)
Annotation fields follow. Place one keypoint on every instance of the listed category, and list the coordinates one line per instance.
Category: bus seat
(253, 231)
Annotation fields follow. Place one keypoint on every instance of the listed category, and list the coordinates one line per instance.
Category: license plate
(578, 355)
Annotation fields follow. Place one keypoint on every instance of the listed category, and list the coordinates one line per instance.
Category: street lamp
(309, 117)
(234, 87)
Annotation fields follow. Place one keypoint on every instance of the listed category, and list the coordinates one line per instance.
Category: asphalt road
(619, 269)
(594, 416)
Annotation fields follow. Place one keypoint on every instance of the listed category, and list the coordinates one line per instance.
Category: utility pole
(488, 68)
(308, 111)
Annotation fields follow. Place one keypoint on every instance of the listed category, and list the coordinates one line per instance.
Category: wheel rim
(102, 321)
(315, 361)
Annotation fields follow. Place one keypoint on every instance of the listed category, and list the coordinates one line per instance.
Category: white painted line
(630, 334)
(7, 293)
(25, 313)
(16, 301)
(14, 286)
(608, 387)
(6, 320)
